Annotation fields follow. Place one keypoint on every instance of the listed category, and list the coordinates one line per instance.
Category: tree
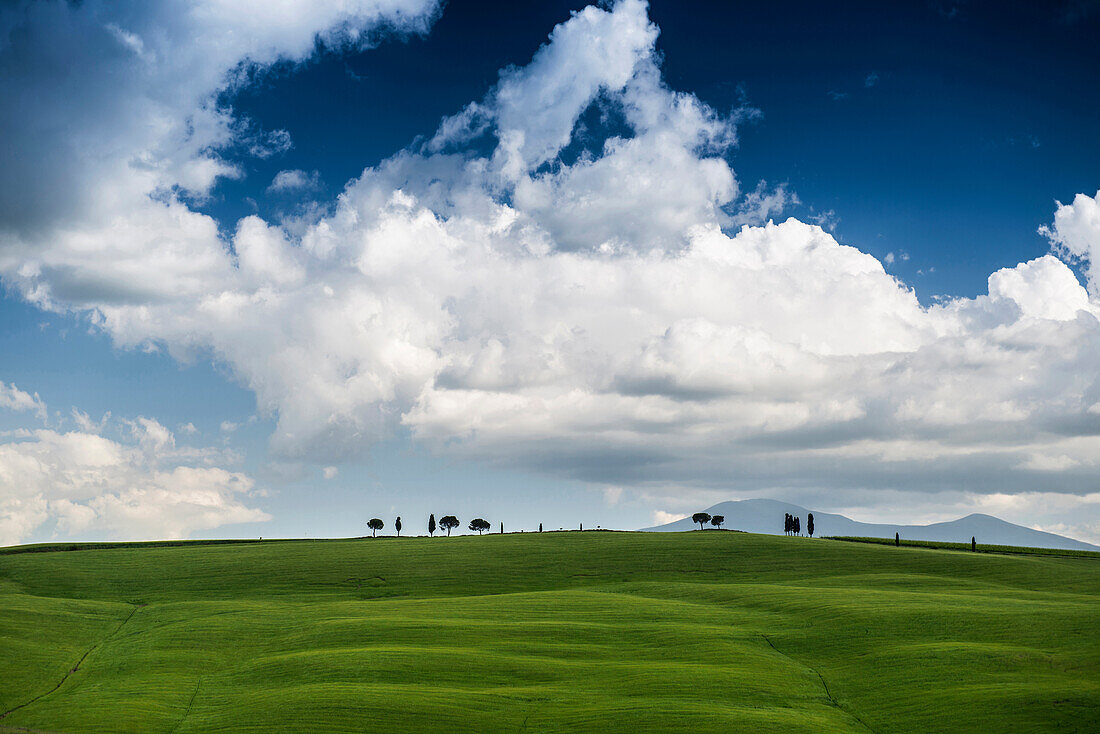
(810, 524)
(973, 544)
(700, 519)
(540, 527)
(717, 521)
(431, 525)
(788, 523)
(897, 540)
(375, 525)
(797, 525)
(448, 523)
(397, 525)
(478, 525)
(502, 528)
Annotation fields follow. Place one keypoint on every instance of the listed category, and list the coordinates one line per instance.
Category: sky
(273, 269)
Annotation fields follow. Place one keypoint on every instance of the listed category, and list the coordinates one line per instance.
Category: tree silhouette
(448, 523)
(375, 525)
(397, 525)
(973, 544)
(810, 524)
(897, 540)
(540, 527)
(717, 521)
(797, 525)
(478, 525)
(788, 523)
(502, 528)
(700, 519)
(431, 525)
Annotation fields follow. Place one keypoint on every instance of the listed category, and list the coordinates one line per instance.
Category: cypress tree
(431, 525)
(897, 540)
(397, 526)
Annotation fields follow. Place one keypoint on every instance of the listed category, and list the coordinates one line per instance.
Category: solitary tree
(502, 528)
(397, 525)
(540, 527)
(973, 544)
(897, 540)
(375, 525)
(448, 523)
(810, 524)
(700, 519)
(717, 521)
(431, 525)
(478, 525)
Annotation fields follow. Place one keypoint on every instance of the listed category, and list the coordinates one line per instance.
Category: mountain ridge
(766, 516)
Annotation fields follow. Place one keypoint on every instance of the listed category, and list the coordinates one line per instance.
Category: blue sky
(253, 234)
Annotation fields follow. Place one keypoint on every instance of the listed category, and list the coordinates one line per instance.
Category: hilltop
(766, 516)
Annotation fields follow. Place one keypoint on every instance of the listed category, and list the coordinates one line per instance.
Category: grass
(981, 547)
(553, 632)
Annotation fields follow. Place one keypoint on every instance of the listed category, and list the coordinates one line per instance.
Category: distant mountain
(766, 516)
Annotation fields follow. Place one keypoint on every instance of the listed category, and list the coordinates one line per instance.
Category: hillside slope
(766, 516)
(554, 632)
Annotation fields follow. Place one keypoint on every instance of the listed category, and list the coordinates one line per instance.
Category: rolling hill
(766, 516)
(554, 632)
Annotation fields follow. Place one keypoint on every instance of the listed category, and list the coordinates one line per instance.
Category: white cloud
(12, 398)
(109, 103)
(330, 472)
(660, 517)
(1076, 234)
(596, 316)
(294, 180)
(612, 495)
(87, 483)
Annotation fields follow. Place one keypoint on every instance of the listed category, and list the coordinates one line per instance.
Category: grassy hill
(713, 631)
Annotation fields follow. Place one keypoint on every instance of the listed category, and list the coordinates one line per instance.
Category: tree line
(446, 522)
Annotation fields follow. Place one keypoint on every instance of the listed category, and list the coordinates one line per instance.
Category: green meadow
(552, 632)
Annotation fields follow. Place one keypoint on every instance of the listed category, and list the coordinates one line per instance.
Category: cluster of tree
(702, 518)
(450, 522)
(792, 524)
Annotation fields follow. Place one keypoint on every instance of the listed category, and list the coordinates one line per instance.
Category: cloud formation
(141, 486)
(290, 181)
(12, 398)
(525, 292)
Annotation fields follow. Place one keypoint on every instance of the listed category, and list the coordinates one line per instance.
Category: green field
(594, 631)
(979, 548)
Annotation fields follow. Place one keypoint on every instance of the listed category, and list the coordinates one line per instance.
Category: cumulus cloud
(514, 293)
(12, 398)
(294, 180)
(108, 103)
(1076, 234)
(83, 482)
